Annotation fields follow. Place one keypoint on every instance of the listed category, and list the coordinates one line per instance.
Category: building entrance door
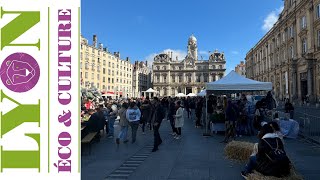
(188, 90)
(304, 89)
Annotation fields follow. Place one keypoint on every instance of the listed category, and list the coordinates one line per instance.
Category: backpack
(278, 157)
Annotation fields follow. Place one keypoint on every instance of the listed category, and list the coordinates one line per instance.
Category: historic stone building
(104, 70)
(288, 55)
(171, 76)
(141, 78)
(241, 69)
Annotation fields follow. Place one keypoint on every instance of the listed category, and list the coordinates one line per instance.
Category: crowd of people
(135, 113)
(241, 117)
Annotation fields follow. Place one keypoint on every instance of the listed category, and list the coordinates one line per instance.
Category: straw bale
(258, 176)
(239, 150)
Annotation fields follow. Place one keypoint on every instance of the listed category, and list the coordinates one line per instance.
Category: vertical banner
(39, 89)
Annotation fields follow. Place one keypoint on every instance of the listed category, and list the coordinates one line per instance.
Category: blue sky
(139, 29)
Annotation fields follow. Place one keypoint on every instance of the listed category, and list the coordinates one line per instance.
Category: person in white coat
(179, 119)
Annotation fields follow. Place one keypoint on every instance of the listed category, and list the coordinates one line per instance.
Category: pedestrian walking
(159, 114)
(146, 113)
(111, 119)
(133, 115)
(288, 107)
(171, 113)
(199, 107)
(179, 120)
(192, 109)
(123, 123)
(230, 123)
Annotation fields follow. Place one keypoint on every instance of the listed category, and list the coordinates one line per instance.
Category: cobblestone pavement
(192, 157)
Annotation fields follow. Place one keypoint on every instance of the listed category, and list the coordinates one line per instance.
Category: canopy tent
(180, 95)
(191, 95)
(233, 83)
(108, 94)
(150, 90)
(202, 93)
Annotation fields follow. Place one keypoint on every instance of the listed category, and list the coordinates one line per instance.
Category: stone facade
(141, 78)
(241, 69)
(288, 55)
(103, 70)
(171, 76)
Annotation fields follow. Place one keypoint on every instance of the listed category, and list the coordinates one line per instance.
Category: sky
(140, 29)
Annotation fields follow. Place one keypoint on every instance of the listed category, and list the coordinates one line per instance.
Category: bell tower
(192, 48)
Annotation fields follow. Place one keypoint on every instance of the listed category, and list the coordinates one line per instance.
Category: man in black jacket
(145, 114)
(159, 114)
(95, 122)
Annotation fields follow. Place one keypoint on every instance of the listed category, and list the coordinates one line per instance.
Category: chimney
(100, 46)
(171, 55)
(147, 63)
(127, 58)
(95, 40)
(117, 54)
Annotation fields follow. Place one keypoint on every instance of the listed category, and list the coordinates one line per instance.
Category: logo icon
(20, 72)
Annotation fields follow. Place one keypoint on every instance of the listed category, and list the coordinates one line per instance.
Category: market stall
(234, 83)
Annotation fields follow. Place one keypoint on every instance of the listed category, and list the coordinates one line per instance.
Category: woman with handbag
(123, 123)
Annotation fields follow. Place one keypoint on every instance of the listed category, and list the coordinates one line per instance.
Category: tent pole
(206, 134)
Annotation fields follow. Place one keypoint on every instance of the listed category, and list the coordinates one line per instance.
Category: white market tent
(109, 94)
(150, 90)
(180, 95)
(191, 95)
(202, 93)
(233, 83)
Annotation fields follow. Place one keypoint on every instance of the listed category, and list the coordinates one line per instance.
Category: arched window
(165, 91)
(198, 77)
(180, 78)
(213, 77)
(164, 78)
(173, 91)
(205, 77)
(189, 78)
(173, 78)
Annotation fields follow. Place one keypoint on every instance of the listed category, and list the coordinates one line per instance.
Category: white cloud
(175, 53)
(271, 19)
